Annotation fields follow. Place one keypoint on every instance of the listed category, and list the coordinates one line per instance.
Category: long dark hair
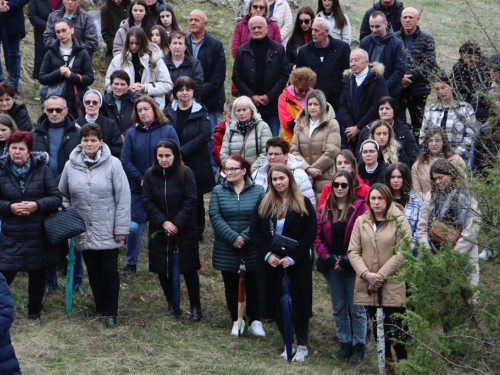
(177, 169)
(443, 166)
(446, 150)
(167, 8)
(338, 15)
(332, 199)
(407, 181)
(147, 22)
(297, 38)
(108, 9)
(145, 49)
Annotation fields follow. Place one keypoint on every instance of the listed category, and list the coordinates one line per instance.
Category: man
(392, 10)
(363, 86)
(261, 72)
(384, 47)
(420, 52)
(85, 30)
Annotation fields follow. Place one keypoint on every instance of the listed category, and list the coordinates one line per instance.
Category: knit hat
(96, 93)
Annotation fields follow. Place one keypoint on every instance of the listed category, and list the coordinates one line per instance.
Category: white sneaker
(294, 350)
(301, 354)
(486, 254)
(234, 331)
(256, 329)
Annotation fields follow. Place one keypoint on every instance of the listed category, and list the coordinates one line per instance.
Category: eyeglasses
(231, 170)
(369, 151)
(343, 185)
(256, 7)
(93, 102)
(58, 110)
(305, 22)
(274, 154)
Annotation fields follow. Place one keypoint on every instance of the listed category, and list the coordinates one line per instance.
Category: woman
(169, 198)
(9, 365)
(67, 61)
(301, 33)
(397, 178)
(241, 33)
(139, 16)
(280, 12)
(28, 195)
(141, 60)
(166, 18)
(375, 261)
(231, 208)
(137, 156)
(93, 182)
(455, 116)
(181, 64)
(293, 216)
(340, 27)
(18, 112)
(382, 133)
(316, 139)
(160, 38)
(372, 166)
(190, 121)
(336, 220)
(246, 135)
(7, 127)
(435, 145)
(293, 99)
(450, 204)
(113, 12)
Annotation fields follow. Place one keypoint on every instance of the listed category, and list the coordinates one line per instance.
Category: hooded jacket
(123, 117)
(288, 109)
(392, 13)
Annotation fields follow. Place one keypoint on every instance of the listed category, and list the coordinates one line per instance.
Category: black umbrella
(176, 281)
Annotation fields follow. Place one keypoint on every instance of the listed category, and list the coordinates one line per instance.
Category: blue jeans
(274, 124)
(134, 241)
(14, 61)
(214, 117)
(341, 287)
(51, 277)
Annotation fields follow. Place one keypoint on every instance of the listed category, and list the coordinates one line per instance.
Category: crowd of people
(315, 151)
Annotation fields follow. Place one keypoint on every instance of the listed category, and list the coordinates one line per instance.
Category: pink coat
(241, 33)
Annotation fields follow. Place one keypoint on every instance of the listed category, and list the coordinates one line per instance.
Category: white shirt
(312, 125)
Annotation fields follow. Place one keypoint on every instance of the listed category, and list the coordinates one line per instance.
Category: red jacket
(219, 131)
(361, 190)
(241, 33)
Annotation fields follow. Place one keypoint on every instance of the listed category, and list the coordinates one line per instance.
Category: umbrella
(286, 307)
(380, 334)
(241, 295)
(176, 282)
(69, 277)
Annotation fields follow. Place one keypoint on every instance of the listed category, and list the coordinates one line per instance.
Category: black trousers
(200, 214)
(192, 283)
(416, 107)
(392, 329)
(300, 329)
(36, 287)
(104, 280)
(231, 283)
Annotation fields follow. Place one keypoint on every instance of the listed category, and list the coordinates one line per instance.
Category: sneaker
(17, 95)
(79, 289)
(50, 289)
(128, 270)
(301, 354)
(486, 254)
(294, 350)
(256, 329)
(358, 354)
(110, 322)
(345, 351)
(234, 331)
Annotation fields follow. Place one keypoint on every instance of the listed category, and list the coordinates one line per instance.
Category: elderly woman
(28, 195)
(8, 106)
(246, 135)
(293, 99)
(93, 181)
(301, 33)
(7, 127)
(137, 156)
(92, 100)
(317, 139)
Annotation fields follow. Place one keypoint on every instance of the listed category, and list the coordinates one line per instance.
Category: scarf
(244, 127)
(450, 207)
(92, 161)
(21, 172)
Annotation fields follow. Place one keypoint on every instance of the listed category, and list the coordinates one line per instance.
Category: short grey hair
(202, 12)
(249, 7)
(363, 53)
(325, 24)
(244, 101)
(55, 97)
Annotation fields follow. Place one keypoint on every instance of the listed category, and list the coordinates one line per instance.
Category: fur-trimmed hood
(376, 67)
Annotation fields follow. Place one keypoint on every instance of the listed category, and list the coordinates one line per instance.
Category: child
(219, 131)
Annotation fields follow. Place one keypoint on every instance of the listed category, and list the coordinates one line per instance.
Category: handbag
(439, 228)
(56, 89)
(63, 225)
(282, 244)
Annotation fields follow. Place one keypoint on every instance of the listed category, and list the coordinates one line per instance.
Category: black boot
(345, 351)
(128, 270)
(358, 354)
(196, 314)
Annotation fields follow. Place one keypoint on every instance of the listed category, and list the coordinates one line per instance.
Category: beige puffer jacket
(371, 251)
(319, 150)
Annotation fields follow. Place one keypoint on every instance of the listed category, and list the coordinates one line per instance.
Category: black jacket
(213, 61)
(82, 72)
(393, 14)
(190, 67)
(466, 81)
(163, 200)
(24, 247)
(13, 19)
(275, 76)
(330, 70)
(9, 365)
(292, 53)
(20, 114)
(110, 133)
(421, 61)
(122, 118)
(38, 13)
(374, 88)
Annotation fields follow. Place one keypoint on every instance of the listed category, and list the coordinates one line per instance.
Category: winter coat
(24, 247)
(164, 200)
(361, 189)
(393, 58)
(82, 72)
(14, 19)
(466, 244)
(302, 229)
(292, 51)
(85, 29)
(213, 62)
(110, 133)
(320, 149)
(9, 365)
(123, 117)
(329, 70)
(119, 14)
(467, 81)
(421, 61)
(241, 33)
(190, 67)
(120, 37)
(194, 137)
(393, 14)
(336, 33)
(374, 87)
(20, 115)
(288, 109)
(372, 251)
(282, 15)
(378, 174)
(101, 195)
(276, 75)
(154, 10)
(301, 177)
(157, 84)
(255, 146)
(38, 13)
(219, 131)
(230, 214)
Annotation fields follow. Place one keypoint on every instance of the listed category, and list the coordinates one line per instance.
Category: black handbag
(282, 244)
(63, 225)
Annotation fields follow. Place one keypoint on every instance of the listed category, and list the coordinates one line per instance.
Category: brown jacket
(371, 251)
(319, 150)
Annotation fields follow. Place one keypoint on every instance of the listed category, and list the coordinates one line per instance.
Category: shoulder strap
(244, 143)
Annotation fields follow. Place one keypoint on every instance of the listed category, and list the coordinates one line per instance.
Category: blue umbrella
(69, 277)
(286, 307)
(176, 282)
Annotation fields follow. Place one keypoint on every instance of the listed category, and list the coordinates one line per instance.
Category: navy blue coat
(9, 365)
(14, 18)
(392, 13)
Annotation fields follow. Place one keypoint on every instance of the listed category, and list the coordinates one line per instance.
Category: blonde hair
(390, 150)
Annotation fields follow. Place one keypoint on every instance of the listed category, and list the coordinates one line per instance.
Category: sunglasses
(305, 22)
(93, 102)
(258, 7)
(58, 110)
(343, 185)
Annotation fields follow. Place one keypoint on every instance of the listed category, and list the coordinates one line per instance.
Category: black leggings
(392, 329)
(231, 283)
(192, 283)
(300, 328)
(36, 286)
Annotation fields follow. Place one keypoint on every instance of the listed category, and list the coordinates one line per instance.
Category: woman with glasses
(340, 27)
(372, 166)
(301, 34)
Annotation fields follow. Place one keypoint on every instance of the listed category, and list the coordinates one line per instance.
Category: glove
(291, 125)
